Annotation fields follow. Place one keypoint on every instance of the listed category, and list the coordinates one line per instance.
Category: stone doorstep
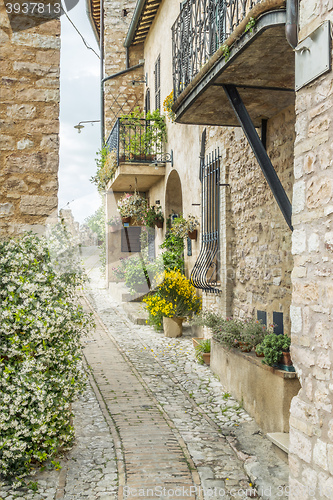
(280, 441)
(135, 312)
(121, 293)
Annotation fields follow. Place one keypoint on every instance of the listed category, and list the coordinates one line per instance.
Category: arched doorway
(173, 194)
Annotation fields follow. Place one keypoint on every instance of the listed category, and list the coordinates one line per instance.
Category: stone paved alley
(153, 423)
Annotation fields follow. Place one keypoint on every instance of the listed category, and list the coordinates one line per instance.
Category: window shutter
(158, 83)
(130, 239)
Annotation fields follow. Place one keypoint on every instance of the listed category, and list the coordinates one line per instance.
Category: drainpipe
(127, 58)
(101, 48)
(292, 22)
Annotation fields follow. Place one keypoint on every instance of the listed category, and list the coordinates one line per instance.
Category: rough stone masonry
(29, 124)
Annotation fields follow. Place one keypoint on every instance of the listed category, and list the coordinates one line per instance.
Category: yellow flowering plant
(174, 296)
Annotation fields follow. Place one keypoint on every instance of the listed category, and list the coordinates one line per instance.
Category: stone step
(121, 293)
(135, 312)
(280, 442)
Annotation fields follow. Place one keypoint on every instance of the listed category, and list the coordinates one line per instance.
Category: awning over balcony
(260, 65)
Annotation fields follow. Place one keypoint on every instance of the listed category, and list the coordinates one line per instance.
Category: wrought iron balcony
(137, 141)
(200, 29)
(140, 160)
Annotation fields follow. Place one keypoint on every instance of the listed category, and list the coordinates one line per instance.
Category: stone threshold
(280, 442)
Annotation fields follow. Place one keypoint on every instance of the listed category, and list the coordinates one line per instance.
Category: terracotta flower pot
(173, 327)
(193, 234)
(286, 359)
(159, 224)
(206, 357)
(245, 347)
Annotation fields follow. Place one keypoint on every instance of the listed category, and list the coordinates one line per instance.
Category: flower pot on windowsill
(193, 234)
(126, 220)
(159, 224)
(173, 327)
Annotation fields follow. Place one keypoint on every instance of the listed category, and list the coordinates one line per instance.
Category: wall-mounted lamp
(79, 127)
(136, 83)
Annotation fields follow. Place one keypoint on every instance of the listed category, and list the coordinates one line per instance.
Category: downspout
(292, 22)
(101, 45)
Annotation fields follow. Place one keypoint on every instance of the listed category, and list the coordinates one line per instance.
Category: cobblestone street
(153, 423)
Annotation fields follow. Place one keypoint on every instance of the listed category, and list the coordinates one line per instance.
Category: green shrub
(272, 347)
(40, 357)
(139, 271)
(173, 255)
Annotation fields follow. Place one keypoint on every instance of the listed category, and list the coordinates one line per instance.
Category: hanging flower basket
(159, 223)
(126, 220)
(193, 234)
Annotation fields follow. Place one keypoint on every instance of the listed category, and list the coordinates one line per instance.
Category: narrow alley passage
(153, 423)
(175, 423)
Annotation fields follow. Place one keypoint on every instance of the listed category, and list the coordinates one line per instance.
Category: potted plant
(252, 334)
(132, 206)
(192, 224)
(167, 106)
(185, 227)
(154, 216)
(272, 347)
(175, 298)
(202, 351)
(141, 137)
(115, 223)
(228, 332)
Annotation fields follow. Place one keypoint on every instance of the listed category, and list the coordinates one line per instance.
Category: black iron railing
(139, 141)
(200, 29)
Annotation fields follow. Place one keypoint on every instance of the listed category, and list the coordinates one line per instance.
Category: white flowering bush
(40, 358)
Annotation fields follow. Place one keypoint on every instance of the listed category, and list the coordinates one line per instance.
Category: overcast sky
(79, 100)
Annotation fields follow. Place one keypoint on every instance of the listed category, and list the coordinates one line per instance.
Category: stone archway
(173, 194)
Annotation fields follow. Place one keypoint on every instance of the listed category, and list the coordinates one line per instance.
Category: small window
(130, 239)
(278, 323)
(262, 316)
(158, 83)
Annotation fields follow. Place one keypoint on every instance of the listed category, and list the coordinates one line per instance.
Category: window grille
(158, 83)
(205, 273)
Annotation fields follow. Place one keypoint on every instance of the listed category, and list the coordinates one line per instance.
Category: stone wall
(29, 124)
(255, 256)
(120, 95)
(311, 433)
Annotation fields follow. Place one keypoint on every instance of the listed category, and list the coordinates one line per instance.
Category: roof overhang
(93, 8)
(143, 17)
(261, 65)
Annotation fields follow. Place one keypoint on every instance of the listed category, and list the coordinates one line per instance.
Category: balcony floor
(261, 65)
(139, 176)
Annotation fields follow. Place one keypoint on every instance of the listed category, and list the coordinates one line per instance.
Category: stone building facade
(29, 118)
(311, 422)
(264, 267)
